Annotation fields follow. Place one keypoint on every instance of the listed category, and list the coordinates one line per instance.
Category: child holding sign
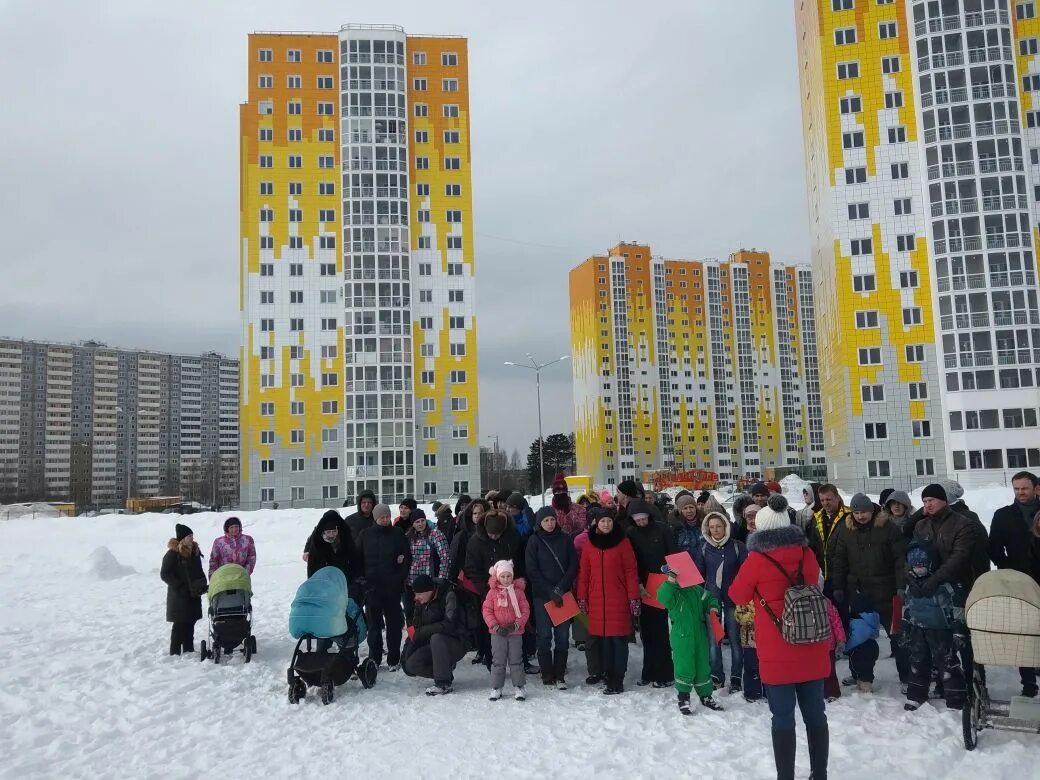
(687, 609)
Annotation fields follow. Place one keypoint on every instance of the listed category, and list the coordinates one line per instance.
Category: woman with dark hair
(185, 583)
(429, 552)
(608, 592)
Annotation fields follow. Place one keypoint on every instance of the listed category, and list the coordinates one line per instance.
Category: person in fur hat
(719, 558)
(181, 570)
(233, 547)
(793, 674)
(506, 613)
(688, 612)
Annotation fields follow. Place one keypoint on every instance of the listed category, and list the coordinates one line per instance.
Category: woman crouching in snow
(185, 583)
(506, 613)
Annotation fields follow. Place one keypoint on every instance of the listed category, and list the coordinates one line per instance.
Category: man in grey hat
(384, 558)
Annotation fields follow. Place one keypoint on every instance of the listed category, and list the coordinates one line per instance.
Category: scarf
(510, 590)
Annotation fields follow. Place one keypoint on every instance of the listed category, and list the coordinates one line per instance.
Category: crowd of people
(785, 593)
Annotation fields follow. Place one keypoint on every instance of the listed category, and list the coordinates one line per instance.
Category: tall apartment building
(922, 140)
(693, 364)
(359, 354)
(92, 424)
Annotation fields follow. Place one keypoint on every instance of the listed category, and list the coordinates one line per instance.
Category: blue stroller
(322, 615)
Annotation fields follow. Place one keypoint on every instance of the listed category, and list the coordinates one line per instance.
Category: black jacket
(1010, 540)
(651, 544)
(378, 549)
(955, 538)
(179, 573)
(321, 554)
(482, 552)
(870, 558)
(552, 563)
(980, 549)
(440, 615)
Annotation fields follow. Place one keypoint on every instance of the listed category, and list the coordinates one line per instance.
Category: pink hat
(499, 567)
(605, 497)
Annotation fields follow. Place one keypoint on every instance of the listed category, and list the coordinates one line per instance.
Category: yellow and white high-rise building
(359, 365)
(922, 140)
(688, 364)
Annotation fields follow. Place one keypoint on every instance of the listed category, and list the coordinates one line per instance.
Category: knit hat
(859, 603)
(774, 487)
(885, 495)
(423, 584)
(416, 514)
(330, 520)
(559, 483)
(899, 497)
(181, 531)
(435, 506)
(751, 510)
(953, 489)
(442, 512)
(935, 491)
(543, 513)
(491, 495)
(408, 502)
(516, 501)
(861, 503)
(702, 497)
(683, 501)
(462, 503)
(382, 510)
(495, 523)
(499, 567)
(773, 515)
(605, 497)
(230, 522)
(920, 554)
(629, 488)
(759, 489)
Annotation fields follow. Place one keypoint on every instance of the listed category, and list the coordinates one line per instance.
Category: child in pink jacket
(506, 613)
(831, 687)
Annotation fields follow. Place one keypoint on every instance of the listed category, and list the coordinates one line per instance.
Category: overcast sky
(675, 124)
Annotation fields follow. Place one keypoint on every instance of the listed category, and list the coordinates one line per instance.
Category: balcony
(993, 164)
(985, 19)
(937, 25)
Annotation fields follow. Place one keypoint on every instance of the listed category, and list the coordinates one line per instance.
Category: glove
(635, 625)
(306, 557)
(839, 597)
(643, 592)
(557, 599)
(635, 607)
(839, 651)
(501, 630)
(583, 605)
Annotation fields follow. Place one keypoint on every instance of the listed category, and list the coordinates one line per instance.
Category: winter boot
(864, 686)
(561, 684)
(439, 689)
(560, 667)
(478, 658)
(711, 704)
(546, 667)
(530, 668)
(496, 694)
(594, 679)
(1030, 690)
(784, 744)
(684, 704)
(819, 749)
(735, 685)
(520, 694)
(912, 706)
(849, 681)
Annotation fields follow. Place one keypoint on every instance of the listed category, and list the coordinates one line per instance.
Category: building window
(851, 104)
(842, 5)
(267, 437)
(897, 135)
(887, 30)
(267, 466)
(862, 246)
(329, 464)
(453, 190)
(265, 55)
(419, 85)
(844, 35)
(421, 109)
(872, 394)
(848, 70)
(296, 464)
(449, 85)
(326, 109)
(430, 488)
(901, 170)
(925, 467)
(905, 242)
(918, 391)
(852, 140)
(324, 55)
(418, 58)
(422, 163)
(429, 432)
(1028, 47)
(265, 107)
(870, 356)
(454, 242)
(451, 111)
(453, 216)
(891, 64)
(458, 377)
(459, 404)
(460, 432)
(875, 430)
(866, 319)
(452, 163)
(878, 469)
(864, 283)
(324, 82)
(855, 175)
(292, 55)
(327, 188)
(295, 107)
(329, 380)
(265, 82)
(922, 429)
(326, 161)
(429, 460)
(859, 211)
(266, 161)
(893, 100)
(1025, 11)
(449, 58)
(267, 188)
(902, 207)
(915, 353)
(329, 435)
(458, 350)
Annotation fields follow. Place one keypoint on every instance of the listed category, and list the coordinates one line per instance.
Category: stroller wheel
(252, 644)
(294, 692)
(326, 693)
(216, 653)
(248, 650)
(202, 650)
(367, 672)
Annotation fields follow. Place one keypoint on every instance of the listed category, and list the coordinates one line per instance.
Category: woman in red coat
(608, 592)
(792, 673)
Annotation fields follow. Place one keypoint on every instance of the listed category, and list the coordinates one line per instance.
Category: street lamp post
(537, 368)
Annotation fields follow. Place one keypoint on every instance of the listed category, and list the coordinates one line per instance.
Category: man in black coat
(1010, 541)
(551, 565)
(439, 638)
(384, 558)
(652, 540)
(181, 570)
(362, 518)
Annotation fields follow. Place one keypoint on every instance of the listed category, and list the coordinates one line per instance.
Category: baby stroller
(230, 614)
(1003, 617)
(321, 616)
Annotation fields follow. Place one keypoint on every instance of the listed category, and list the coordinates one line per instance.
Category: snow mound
(30, 510)
(104, 566)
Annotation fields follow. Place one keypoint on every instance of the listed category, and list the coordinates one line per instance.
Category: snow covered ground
(87, 690)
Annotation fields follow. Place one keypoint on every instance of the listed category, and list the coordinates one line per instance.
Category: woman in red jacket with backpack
(608, 592)
(792, 673)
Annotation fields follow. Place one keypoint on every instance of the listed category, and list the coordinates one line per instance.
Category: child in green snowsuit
(687, 609)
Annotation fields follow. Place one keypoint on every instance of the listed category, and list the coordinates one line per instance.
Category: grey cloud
(675, 124)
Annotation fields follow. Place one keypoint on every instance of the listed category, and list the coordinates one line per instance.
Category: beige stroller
(1003, 617)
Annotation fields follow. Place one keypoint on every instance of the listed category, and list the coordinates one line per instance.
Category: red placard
(682, 564)
(560, 614)
(716, 627)
(653, 582)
